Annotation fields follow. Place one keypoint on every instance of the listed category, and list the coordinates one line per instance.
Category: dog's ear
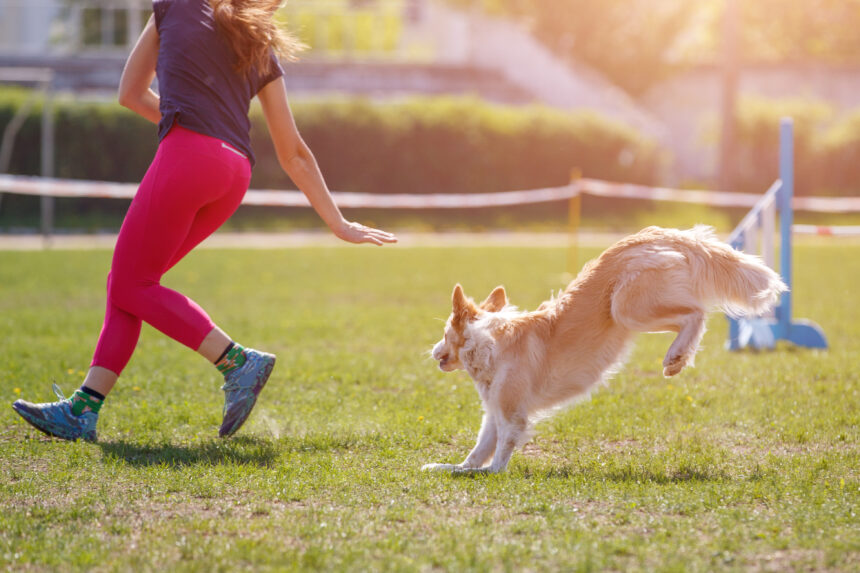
(464, 308)
(497, 300)
(458, 294)
(458, 298)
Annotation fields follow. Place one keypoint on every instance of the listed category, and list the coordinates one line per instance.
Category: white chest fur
(479, 355)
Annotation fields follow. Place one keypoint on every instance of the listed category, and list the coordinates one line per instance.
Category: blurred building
(85, 42)
(395, 48)
(379, 48)
(41, 27)
(26, 26)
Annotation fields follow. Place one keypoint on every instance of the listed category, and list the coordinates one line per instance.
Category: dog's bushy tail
(738, 283)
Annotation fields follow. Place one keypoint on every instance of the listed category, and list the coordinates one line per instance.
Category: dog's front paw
(440, 467)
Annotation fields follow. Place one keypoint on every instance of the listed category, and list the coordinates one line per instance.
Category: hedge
(758, 134)
(838, 161)
(826, 146)
(450, 145)
(431, 145)
(416, 146)
(419, 145)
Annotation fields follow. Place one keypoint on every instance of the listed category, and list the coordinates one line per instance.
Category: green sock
(232, 360)
(83, 402)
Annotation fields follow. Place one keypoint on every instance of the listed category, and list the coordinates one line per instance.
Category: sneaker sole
(34, 421)
(266, 372)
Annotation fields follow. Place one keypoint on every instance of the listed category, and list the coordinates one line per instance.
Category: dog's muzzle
(442, 357)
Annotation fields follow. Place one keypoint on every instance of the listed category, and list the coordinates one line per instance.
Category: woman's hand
(299, 163)
(358, 233)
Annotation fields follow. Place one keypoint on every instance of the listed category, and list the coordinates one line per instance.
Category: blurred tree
(627, 40)
(801, 30)
(636, 43)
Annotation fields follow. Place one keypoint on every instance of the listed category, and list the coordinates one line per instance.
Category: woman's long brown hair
(250, 29)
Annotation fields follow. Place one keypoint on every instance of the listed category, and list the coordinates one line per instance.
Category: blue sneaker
(241, 388)
(56, 418)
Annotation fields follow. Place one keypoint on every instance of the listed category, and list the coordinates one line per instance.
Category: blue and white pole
(786, 218)
(761, 332)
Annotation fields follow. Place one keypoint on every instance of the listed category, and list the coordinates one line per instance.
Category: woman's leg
(116, 342)
(191, 188)
(186, 195)
(207, 221)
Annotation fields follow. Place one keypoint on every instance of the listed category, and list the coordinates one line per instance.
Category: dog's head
(465, 311)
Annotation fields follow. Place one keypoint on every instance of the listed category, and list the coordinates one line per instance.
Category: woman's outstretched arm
(299, 163)
(134, 85)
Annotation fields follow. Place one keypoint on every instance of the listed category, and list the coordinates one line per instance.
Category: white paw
(440, 467)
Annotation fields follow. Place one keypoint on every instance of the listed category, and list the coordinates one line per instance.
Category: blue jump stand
(764, 332)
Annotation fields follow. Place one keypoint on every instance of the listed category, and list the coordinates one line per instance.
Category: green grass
(748, 461)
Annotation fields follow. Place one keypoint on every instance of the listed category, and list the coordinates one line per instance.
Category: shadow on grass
(242, 451)
(638, 475)
(614, 475)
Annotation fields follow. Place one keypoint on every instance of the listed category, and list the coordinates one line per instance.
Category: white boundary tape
(840, 231)
(627, 190)
(25, 185)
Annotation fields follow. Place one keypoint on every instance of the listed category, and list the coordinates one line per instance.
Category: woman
(211, 58)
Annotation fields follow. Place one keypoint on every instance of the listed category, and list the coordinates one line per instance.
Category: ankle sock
(226, 350)
(86, 400)
(92, 393)
(232, 359)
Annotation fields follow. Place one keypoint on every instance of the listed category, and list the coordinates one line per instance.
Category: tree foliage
(636, 43)
(801, 30)
(627, 40)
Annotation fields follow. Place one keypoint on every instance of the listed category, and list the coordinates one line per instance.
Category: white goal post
(42, 80)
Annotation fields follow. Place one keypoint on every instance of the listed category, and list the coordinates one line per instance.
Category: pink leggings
(194, 184)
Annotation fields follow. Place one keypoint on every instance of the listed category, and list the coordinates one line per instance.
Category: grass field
(750, 461)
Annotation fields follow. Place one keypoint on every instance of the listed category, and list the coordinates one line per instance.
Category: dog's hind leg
(689, 323)
(655, 305)
(511, 431)
(685, 345)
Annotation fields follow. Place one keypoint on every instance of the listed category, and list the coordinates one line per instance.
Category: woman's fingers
(358, 233)
(376, 236)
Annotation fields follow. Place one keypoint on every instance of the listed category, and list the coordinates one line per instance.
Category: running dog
(527, 364)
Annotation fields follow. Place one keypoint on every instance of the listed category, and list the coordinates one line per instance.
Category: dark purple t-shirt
(197, 82)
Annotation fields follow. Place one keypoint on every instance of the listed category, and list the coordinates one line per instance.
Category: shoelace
(59, 392)
(231, 381)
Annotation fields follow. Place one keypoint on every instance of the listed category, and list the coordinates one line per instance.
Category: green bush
(421, 145)
(838, 161)
(93, 140)
(448, 145)
(430, 145)
(416, 146)
(758, 134)
(826, 146)
(100, 141)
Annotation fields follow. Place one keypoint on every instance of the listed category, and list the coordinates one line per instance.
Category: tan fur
(527, 363)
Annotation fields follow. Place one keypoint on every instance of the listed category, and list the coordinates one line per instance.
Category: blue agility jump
(763, 332)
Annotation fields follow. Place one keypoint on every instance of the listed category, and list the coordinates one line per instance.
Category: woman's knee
(125, 292)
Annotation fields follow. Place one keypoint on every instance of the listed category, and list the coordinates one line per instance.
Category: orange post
(574, 216)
